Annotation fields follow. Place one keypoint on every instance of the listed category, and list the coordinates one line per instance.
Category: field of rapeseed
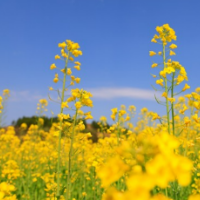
(155, 159)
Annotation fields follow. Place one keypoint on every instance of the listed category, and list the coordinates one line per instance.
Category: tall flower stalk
(69, 51)
(171, 73)
(166, 90)
(60, 132)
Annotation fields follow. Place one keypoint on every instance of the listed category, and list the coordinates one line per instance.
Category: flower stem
(166, 91)
(172, 105)
(70, 157)
(60, 132)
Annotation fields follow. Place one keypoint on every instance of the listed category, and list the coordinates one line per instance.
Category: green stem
(70, 157)
(172, 105)
(173, 125)
(166, 91)
(60, 132)
(118, 131)
(166, 192)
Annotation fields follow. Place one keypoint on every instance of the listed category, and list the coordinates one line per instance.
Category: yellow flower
(173, 46)
(195, 118)
(122, 112)
(169, 70)
(111, 171)
(181, 99)
(123, 107)
(55, 80)
(164, 94)
(159, 53)
(23, 126)
(155, 167)
(72, 77)
(154, 65)
(137, 185)
(112, 117)
(186, 87)
(43, 102)
(57, 57)
(84, 194)
(183, 170)
(77, 67)
(172, 53)
(152, 53)
(154, 40)
(155, 116)
(196, 105)
(159, 29)
(78, 105)
(75, 46)
(132, 108)
(76, 93)
(63, 70)
(69, 71)
(169, 61)
(188, 96)
(194, 197)
(197, 89)
(62, 45)
(180, 79)
(77, 63)
(156, 36)
(172, 100)
(64, 55)
(160, 197)
(103, 118)
(71, 58)
(62, 116)
(183, 110)
(77, 53)
(159, 82)
(77, 80)
(6, 92)
(187, 121)
(114, 111)
(53, 66)
(153, 75)
(64, 105)
(163, 74)
(144, 110)
(34, 179)
(41, 121)
(183, 73)
(88, 115)
(166, 33)
(127, 118)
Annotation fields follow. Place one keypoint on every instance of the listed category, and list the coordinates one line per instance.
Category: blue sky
(114, 36)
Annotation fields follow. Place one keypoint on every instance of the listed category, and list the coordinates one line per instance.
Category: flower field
(157, 158)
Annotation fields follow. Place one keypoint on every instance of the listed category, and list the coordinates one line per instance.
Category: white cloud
(104, 93)
(21, 96)
(126, 92)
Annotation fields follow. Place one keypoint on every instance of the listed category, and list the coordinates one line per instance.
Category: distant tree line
(94, 126)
